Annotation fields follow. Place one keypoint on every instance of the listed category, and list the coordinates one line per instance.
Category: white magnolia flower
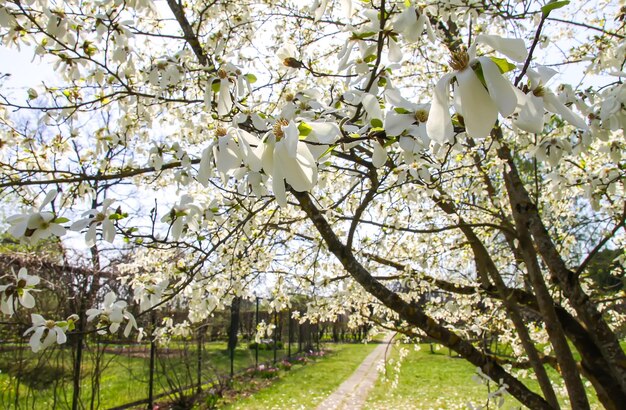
(286, 158)
(147, 295)
(411, 24)
(112, 314)
(321, 137)
(45, 332)
(476, 102)
(21, 288)
(36, 224)
(94, 219)
(185, 214)
(288, 56)
(537, 99)
(228, 76)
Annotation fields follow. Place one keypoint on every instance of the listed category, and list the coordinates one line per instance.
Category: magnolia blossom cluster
(111, 315)
(45, 332)
(481, 92)
(19, 289)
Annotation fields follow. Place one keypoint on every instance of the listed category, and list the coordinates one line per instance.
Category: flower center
(221, 73)
(459, 59)
(278, 128)
(50, 324)
(421, 115)
(539, 91)
(220, 132)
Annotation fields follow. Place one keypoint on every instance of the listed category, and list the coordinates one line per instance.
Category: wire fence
(92, 371)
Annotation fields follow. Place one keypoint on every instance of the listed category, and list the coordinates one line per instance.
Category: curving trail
(352, 393)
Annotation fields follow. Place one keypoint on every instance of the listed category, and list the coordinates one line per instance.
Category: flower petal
(371, 106)
(379, 156)
(514, 48)
(479, 111)
(554, 105)
(531, 113)
(500, 89)
(439, 123)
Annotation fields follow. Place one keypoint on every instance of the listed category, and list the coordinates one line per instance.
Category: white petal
(61, 338)
(291, 138)
(319, 12)
(108, 231)
(206, 166)
(301, 172)
(80, 224)
(408, 24)
(396, 123)
(379, 156)
(49, 339)
(500, 89)
(531, 113)
(479, 111)
(278, 186)
(324, 132)
(114, 327)
(439, 123)
(37, 320)
(554, 105)
(27, 300)
(35, 339)
(346, 6)
(49, 197)
(395, 52)
(224, 102)
(514, 48)
(57, 229)
(371, 106)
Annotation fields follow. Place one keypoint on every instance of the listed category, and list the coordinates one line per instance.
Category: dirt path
(352, 393)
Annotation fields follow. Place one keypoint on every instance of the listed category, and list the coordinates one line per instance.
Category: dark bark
(586, 310)
(413, 314)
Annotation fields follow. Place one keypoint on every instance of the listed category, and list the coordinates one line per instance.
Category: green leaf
(503, 64)
(304, 129)
(553, 6)
(215, 86)
(401, 110)
(370, 58)
(251, 78)
(117, 217)
(60, 220)
(376, 123)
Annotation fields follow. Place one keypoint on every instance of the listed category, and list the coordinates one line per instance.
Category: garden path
(352, 393)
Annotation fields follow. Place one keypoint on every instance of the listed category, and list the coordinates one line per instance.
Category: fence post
(232, 334)
(290, 335)
(152, 360)
(276, 324)
(199, 369)
(78, 358)
(256, 351)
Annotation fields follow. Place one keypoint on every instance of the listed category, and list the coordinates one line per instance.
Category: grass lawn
(46, 384)
(307, 386)
(438, 381)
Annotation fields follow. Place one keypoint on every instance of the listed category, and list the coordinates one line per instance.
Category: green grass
(437, 381)
(307, 386)
(45, 380)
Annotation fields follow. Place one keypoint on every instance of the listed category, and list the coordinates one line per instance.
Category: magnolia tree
(416, 163)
